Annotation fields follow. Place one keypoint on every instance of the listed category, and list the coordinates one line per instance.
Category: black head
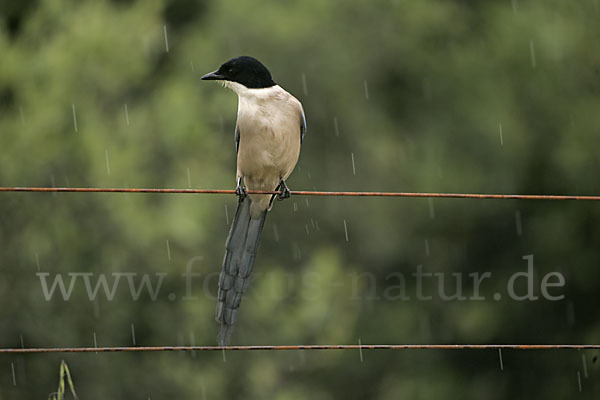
(245, 70)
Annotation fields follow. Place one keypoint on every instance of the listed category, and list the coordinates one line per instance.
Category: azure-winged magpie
(268, 134)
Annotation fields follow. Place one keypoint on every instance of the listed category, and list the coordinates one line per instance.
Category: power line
(308, 347)
(308, 193)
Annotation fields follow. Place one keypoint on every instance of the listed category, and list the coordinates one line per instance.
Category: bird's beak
(213, 76)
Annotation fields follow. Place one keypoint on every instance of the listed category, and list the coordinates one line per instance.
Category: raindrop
(302, 356)
(168, 250)
(295, 206)
(133, 333)
(54, 194)
(353, 166)
(532, 53)
(317, 225)
(515, 6)
(189, 177)
(518, 223)
(193, 342)
(584, 363)
(431, 208)
(107, 163)
(126, 115)
(224, 358)
(226, 215)
(501, 137)
(346, 230)
(427, 248)
(74, 117)
(95, 341)
(14, 376)
(307, 205)
(360, 353)
(366, 89)
(275, 233)
(501, 362)
(579, 380)
(203, 389)
(166, 39)
(22, 341)
(304, 85)
(336, 127)
(192, 64)
(296, 252)
(307, 231)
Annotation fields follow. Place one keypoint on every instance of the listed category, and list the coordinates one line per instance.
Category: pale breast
(269, 128)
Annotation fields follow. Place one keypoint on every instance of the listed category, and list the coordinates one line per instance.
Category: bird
(269, 131)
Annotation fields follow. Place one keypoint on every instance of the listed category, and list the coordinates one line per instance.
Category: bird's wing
(302, 125)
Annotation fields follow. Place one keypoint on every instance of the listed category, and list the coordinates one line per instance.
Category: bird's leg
(240, 189)
(285, 191)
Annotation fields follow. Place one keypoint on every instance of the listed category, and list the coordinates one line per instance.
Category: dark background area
(427, 96)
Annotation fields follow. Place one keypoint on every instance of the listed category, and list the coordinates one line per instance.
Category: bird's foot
(284, 191)
(240, 190)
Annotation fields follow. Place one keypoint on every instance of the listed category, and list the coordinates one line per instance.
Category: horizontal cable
(307, 193)
(309, 347)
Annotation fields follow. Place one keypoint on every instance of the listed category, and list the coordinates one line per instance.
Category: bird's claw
(284, 191)
(241, 192)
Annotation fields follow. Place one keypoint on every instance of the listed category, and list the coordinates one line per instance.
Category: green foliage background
(416, 92)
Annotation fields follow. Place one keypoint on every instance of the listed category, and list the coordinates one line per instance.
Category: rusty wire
(307, 193)
(306, 347)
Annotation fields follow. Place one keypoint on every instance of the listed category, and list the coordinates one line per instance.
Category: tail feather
(241, 248)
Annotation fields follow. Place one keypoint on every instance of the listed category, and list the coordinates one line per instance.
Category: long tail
(241, 247)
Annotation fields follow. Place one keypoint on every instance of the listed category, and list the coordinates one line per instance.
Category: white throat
(236, 87)
(244, 92)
